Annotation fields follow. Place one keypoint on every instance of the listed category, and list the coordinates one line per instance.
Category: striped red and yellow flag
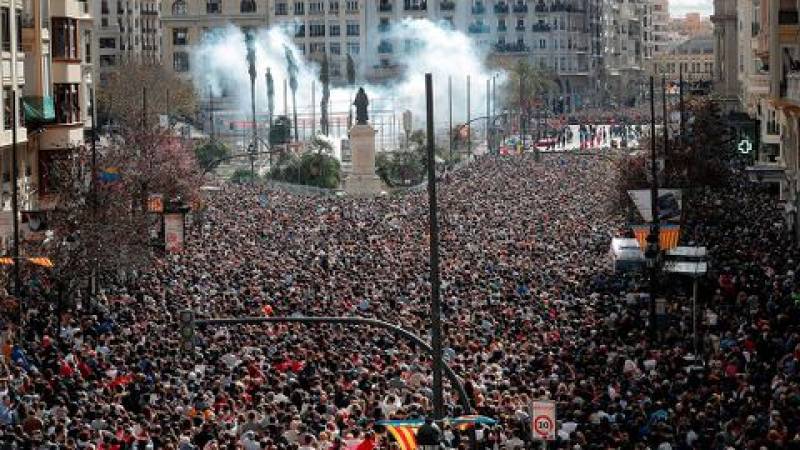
(6, 261)
(42, 262)
(404, 435)
(669, 235)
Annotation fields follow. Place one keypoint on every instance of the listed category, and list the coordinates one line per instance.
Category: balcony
(511, 47)
(793, 87)
(300, 31)
(385, 47)
(541, 27)
(520, 28)
(415, 5)
(502, 28)
(384, 27)
(787, 17)
(385, 7)
(520, 8)
(477, 28)
(541, 7)
(447, 6)
(478, 8)
(501, 8)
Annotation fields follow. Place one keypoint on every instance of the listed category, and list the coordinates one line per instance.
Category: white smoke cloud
(420, 46)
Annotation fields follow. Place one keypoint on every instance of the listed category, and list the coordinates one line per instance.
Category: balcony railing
(541, 28)
(385, 47)
(447, 6)
(541, 7)
(415, 6)
(478, 8)
(793, 87)
(520, 8)
(478, 28)
(787, 17)
(511, 47)
(501, 8)
(502, 28)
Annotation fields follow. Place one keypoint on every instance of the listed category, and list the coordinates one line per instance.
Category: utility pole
(251, 61)
(211, 108)
(521, 114)
(144, 107)
(469, 115)
(15, 203)
(682, 126)
(488, 115)
(653, 238)
(313, 108)
(666, 125)
(450, 103)
(436, 315)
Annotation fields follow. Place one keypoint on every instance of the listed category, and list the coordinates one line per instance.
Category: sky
(679, 8)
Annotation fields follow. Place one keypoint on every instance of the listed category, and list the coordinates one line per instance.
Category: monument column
(362, 179)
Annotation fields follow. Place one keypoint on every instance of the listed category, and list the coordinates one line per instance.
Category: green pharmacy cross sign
(745, 147)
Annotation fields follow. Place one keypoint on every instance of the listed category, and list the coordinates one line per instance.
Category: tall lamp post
(653, 250)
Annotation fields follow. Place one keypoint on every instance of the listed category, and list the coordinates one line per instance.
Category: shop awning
(39, 109)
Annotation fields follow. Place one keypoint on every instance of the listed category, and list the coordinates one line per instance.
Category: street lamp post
(436, 318)
(653, 250)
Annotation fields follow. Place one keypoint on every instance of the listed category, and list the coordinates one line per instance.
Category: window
(333, 7)
(179, 8)
(65, 38)
(281, 9)
(353, 48)
(316, 29)
(334, 29)
(104, 22)
(180, 36)
(248, 6)
(180, 62)
(316, 7)
(316, 47)
(336, 48)
(108, 43)
(110, 60)
(8, 115)
(5, 23)
(353, 29)
(351, 6)
(104, 7)
(299, 8)
(542, 43)
(67, 103)
(213, 6)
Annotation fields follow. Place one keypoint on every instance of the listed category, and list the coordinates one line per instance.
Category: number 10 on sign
(543, 420)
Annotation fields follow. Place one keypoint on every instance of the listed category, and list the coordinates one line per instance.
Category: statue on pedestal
(361, 104)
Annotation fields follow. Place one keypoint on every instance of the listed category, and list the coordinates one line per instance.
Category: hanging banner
(543, 420)
(173, 232)
(669, 203)
(668, 235)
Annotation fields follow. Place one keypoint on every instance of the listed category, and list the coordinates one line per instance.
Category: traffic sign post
(543, 420)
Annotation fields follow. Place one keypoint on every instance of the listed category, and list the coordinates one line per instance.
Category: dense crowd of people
(531, 310)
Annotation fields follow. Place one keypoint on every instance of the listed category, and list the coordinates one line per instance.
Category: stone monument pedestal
(361, 180)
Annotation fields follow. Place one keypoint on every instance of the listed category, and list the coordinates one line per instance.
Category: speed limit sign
(543, 421)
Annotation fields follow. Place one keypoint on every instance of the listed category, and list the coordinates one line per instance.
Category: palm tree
(325, 79)
(291, 67)
(526, 88)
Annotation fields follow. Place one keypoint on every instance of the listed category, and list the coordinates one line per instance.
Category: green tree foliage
(210, 153)
(409, 166)
(242, 176)
(527, 85)
(316, 167)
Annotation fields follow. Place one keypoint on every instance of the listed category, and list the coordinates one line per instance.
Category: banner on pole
(543, 420)
(668, 235)
(669, 203)
(173, 232)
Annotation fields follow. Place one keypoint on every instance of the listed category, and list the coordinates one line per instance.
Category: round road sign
(543, 426)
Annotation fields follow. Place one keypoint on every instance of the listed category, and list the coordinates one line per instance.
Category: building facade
(695, 57)
(126, 30)
(726, 52)
(624, 51)
(768, 57)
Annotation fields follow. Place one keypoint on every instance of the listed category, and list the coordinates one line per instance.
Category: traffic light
(187, 329)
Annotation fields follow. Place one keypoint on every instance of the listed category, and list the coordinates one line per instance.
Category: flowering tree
(101, 225)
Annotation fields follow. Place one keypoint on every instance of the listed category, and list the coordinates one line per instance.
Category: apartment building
(126, 30)
(334, 28)
(623, 51)
(767, 55)
(694, 56)
(558, 36)
(186, 22)
(656, 30)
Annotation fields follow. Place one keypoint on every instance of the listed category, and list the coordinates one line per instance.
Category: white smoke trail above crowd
(220, 63)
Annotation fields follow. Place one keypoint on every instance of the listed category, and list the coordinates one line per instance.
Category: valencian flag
(668, 235)
(109, 174)
(404, 432)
